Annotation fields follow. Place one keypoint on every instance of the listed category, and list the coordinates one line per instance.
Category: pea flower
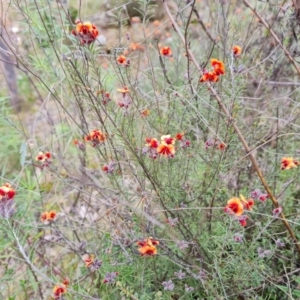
(86, 32)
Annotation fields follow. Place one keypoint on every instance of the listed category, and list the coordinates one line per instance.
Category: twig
(236, 128)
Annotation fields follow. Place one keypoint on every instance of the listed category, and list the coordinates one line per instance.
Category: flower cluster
(60, 289)
(44, 159)
(213, 76)
(91, 262)
(7, 194)
(148, 247)
(96, 137)
(215, 143)
(236, 206)
(288, 163)
(86, 32)
(48, 217)
(165, 147)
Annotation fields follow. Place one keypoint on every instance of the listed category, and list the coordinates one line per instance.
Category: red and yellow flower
(96, 137)
(47, 217)
(218, 66)
(148, 247)
(145, 113)
(179, 136)
(209, 76)
(237, 50)
(7, 192)
(43, 157)
(59, 290)
(152, 142)
(122, 60)
(167, 139)
(166, 150)
(234, 206)
(86, 32)
(288, 163)
(166, 51)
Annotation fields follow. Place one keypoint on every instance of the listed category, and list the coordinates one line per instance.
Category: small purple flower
(95, 265)
(180, 275)
(263, 253)
(279, 243)
(238, 237)
(168, 285)
(188, 289)
(277, 211)
(182, 245)
(110, 277)
(209, 143)
(200, 275)
(185, 143)
(172, 222)
(255, 194)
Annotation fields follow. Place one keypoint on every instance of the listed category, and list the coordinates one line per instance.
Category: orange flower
(124, 90)
(221, 146)
(167, 139)
(51, 215)
(122, 60)
(146, 113)
(152, 143)
(59, 290)
(209, 76)
(179, 136)
(147, 247)
(288, 163)
(7, 192)
(96, 137)
(166, 149)
(218, 66)
(166, 51)
(234, 206)
(47, 217)
(88, 259)
(66, 282)
(236, 50)
(44, 216)
(86, 32)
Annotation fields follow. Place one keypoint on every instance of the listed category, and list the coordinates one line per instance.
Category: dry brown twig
(236, 128)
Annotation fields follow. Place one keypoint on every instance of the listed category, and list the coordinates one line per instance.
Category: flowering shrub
(170, 141)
